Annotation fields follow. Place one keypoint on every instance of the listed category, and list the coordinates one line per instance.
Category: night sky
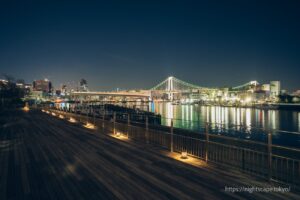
(137, 44)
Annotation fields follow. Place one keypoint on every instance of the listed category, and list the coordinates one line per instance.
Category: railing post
(94, 116)
(87, 115)
(146, 122)
(171, 130)
(128, 125)
(147, 125)
(80, 114)
(206, 141)
(243, 159)
(270, 155)
(103, 118)
(114, 122)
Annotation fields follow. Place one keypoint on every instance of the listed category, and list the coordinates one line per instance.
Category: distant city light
(248, 99)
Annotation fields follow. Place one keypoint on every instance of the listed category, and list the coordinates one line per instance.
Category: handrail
(269, 163)
(202, 134)
(231, 126)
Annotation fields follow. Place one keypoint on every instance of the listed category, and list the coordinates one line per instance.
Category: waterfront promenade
(45, 157)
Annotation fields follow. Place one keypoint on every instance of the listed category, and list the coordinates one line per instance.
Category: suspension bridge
(169, 86)
(173, 85)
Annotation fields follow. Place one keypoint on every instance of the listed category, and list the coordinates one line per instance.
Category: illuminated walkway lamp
(184, 155)
(89, 125)
(26, 107)
(118, 134)
(72, 120)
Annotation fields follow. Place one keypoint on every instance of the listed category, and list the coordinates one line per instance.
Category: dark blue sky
(136, 44)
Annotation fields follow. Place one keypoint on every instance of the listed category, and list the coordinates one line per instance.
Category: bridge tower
(170, 88)
(172, 85)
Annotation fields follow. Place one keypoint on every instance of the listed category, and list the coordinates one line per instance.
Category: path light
(188, 159)
(61, 117)
(43, 111)
(47, 112)
(26, 107)
(72, 120)
(89, 125)
(184, 155)
(118, 134)
(53, 114)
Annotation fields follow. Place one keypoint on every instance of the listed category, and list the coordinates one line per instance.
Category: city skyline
(151, 99)
(119, 45)
(75, 85)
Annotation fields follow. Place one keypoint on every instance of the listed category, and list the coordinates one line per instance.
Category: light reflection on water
(299, 121)
(244, 121)
(247, 122)
(268, 119)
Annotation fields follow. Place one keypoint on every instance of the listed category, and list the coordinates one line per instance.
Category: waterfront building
(42, 85)
(265, 87)
(3, 82)
(274, 88)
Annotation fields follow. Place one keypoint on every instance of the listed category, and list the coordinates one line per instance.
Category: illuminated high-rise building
(274, 88)
(42, 85)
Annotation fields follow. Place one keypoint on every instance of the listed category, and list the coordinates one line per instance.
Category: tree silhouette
(82, 82)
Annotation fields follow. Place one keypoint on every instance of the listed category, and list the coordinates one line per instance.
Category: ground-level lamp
(184, 155)
(89, 125)
(61, 117)
(72, 120)
(118, 134)
(26, 107)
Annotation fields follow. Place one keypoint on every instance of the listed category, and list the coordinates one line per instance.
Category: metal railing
(271, 162)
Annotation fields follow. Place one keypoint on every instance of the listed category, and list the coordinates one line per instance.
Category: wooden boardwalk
(44, 157)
